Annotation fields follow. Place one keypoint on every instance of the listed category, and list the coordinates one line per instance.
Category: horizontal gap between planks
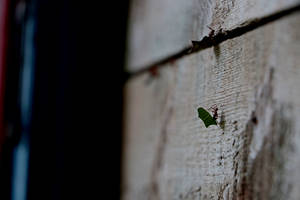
(210, 41)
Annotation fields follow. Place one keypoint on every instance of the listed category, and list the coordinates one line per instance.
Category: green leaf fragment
(206, 117)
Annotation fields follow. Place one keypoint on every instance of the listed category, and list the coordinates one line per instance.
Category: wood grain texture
(161, 28)
(255, 154)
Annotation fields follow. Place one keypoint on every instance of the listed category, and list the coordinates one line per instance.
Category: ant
(214, 109)
(212, 32)
(154, 71)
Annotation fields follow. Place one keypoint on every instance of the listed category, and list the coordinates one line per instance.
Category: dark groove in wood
(213, 40)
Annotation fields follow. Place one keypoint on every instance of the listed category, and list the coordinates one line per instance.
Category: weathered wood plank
(160, 28)
(254, 79)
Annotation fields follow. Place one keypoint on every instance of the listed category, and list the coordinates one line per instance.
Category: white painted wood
(161, 28)
(168, 152)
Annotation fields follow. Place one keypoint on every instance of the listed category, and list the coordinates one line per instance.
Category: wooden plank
(161, 28)
(254, 154)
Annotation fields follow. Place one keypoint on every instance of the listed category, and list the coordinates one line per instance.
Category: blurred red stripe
(4, 7)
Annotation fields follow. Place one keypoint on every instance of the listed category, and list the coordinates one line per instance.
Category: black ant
(214, 109)
(212, 32)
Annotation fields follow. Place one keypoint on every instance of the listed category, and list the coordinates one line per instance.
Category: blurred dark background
(62, 99)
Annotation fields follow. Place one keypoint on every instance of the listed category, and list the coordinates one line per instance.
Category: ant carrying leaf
(214, 109)
(206, 117)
